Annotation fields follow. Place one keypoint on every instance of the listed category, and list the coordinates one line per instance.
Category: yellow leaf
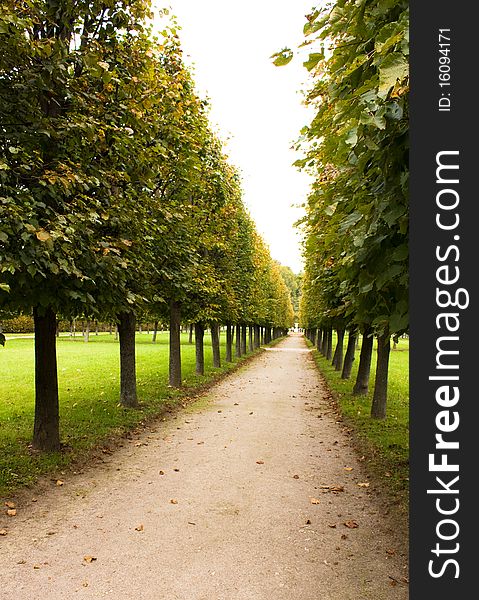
(314, 501)
(88, 558)
(43, 235)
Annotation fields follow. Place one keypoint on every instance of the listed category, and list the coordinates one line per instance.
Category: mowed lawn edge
(92, 422)
(383, 444)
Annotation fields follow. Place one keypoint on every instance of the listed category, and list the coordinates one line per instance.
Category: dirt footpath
(251, 494)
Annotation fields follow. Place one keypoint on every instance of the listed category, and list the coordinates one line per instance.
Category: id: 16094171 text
(444, 70)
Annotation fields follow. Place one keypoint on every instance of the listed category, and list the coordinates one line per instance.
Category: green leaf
(392, 69)
(313, 60)
(352, 137)
(282, 58)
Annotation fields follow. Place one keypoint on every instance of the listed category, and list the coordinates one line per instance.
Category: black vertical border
(432, 131)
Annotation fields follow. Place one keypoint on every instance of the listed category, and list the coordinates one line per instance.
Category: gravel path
(252, 493)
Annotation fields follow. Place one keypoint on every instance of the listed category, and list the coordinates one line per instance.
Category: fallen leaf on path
(335, 489)
(139, 527)
(295, 476)
(3, 532)
(191, 523)
(89, 558)
(21, 562)
(364, 484)
(314, 501)
(173, 501)
(390, 551)
(308, 522)
(176, 470)
(251, 413)
(332, 525)
(198, 443)
(236, 404)
(260, 462)
(12, 512)
(344, 537)
(348, 468)
(387, 474)
(351, 524)
(10, 504)
(162, 473)
(59, 482)
(85, 584)
(36, 566)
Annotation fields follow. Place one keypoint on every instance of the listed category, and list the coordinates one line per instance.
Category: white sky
(253, 103)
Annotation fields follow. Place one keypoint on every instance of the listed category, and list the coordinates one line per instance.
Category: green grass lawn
(89, 394)
(385, 444)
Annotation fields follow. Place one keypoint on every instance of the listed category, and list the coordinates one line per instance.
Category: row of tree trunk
(46, 434)
(322, 338)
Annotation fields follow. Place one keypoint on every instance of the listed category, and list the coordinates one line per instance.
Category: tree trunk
(155, 331)
(338, 353)
(324, 343)
(349, 356)
(238, 341)
(362, 380)
(126, 332)
(319, 339)
(380, 396)
(96, 327)
(215, 344)
(256, 336)
(250, 338)
(116, 333)
(243, 339)
(86, 332)
(261, 336)
(199, 347)
(229, 343)
(175, 345)
(267, 335)
(190, 334)
(329, 344)
(46, 428)
(111, 329)
(140, 330)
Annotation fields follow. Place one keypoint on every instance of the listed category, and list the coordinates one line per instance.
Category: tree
(356, 146)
